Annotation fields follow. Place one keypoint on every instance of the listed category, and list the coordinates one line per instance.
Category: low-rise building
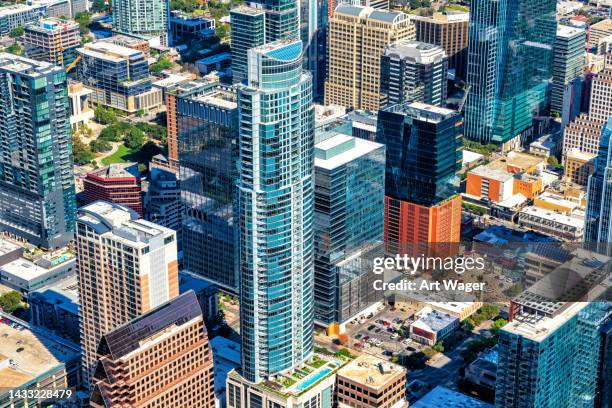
(34, 360)
(568, 227)
(431, 326)
(549, 200)
(78, 98)
(184, 26)
(206, 292)
(442, 397)
(370, 382)
(313, 386)
(460, 310)
(56, 307)
(116, 183)
(29, 269)
(217, 62)
(579, 166)
(482, 371)
(226, 357)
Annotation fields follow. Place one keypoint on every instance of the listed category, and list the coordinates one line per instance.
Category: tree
(439, 347)
(104, 116)
(110, 134)
(11, 302)
(17, 32)
(83, 19)
(81, 153)
(100, 145)
(98, 6)
(134, 139)
(14, 49)
(161, 64)
(468, 325)
(497, 325)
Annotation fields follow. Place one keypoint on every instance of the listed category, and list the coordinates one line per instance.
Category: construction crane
(73, 64)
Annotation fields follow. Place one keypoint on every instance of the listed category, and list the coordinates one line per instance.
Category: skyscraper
(449, 30)
(36, 176)
(207, 133)
(510, 56)
(276, 211)
(424, 153)
(356, 39)
(349, 208)
(125, 266)
(248, 31)
(568, 63)
(598, 219)
(142, 18)
(550, 355)
(173, 339)
(258, 22)
(412, 71)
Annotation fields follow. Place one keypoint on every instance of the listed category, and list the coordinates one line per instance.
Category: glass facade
(207, 118)
(598, 219)
(37, 193)
(248, 31)
(559, 369)
(349, 208)
(510, 56)
(276, 139)
(141, 17)
(424, 152)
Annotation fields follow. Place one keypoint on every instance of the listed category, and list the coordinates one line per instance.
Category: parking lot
(385, 334)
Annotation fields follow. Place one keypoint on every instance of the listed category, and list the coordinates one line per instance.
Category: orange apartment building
(513, 174)
(370, 382)
(160, 359)
(579, 166)
(125, 266)
(410, 225)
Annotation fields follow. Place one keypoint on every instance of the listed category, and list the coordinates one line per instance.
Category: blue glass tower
(37, 194)
(276, 144)
(598, 221)
(510, 56)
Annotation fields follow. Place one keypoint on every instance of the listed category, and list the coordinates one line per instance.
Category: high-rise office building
(600, 107)
(510, 58)
(172, 339)
(276, 141)
(37, 193)
(449, 30)
(142, 18)
(207, 135)
(126, 267)
(568, 63)
(550, 355)
(412, 71)
(116, 183)
(52, 40)
(162, 202)
(356, 39)
(248, 31)
(582, 134)
(349, 207)
(424, 153)
(118, 77)
(598, 219)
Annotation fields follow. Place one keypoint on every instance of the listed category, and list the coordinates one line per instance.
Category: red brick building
(116, 183)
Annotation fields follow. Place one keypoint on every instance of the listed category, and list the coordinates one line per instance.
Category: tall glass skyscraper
(510, 56)
(550, 355)
(207, 133)
(146, 18)
(36, 177)
(276, 143)
(598, 220)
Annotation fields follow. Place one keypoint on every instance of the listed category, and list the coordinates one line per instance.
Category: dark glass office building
(207, 132)
(510, 59)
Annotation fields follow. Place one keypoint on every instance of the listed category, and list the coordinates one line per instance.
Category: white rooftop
(573, 220)
(356, 147)
(441, 397)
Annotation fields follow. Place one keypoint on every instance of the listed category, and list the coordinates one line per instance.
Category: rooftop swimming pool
(311, 379)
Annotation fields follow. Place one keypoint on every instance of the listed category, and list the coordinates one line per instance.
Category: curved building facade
(276, 142)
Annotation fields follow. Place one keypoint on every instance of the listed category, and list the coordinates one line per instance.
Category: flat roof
(568, 31)
(355, 148)
(539, 329)
(15, 8)
(218, 97)
(38, 354)
(572, 220)
(431, 319)
(420, 52)
(24, 269)
(454, 307)
(491, 173)
(442, 397)
(225, 349)
(7, 246)
(371, 371)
